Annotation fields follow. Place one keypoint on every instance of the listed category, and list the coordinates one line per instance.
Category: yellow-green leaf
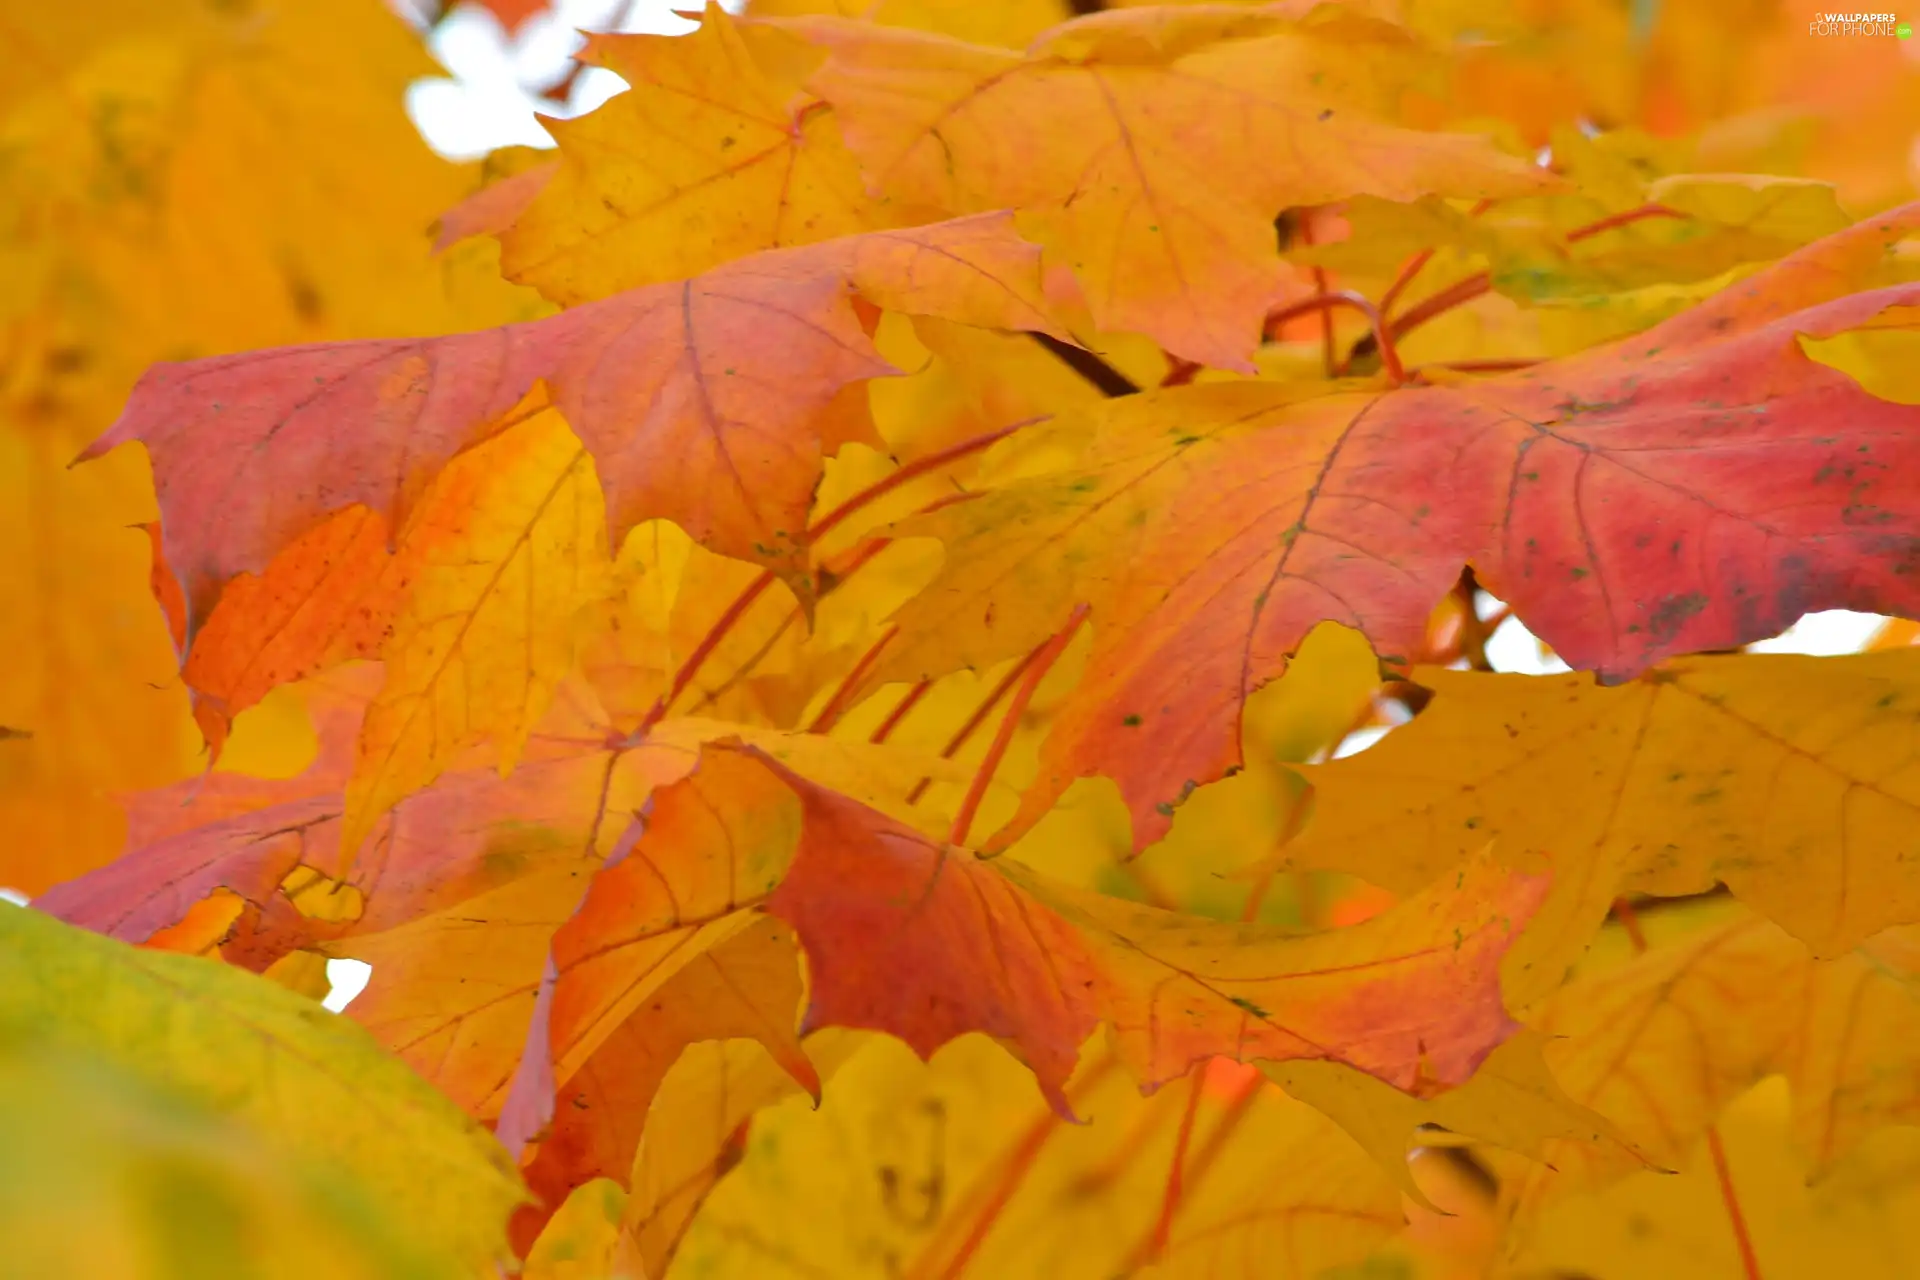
(272, 1060)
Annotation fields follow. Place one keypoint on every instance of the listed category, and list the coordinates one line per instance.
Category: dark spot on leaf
(1673, 611)
(304, 298)
(67, 359)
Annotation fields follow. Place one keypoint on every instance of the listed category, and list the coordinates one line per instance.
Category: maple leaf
(975, 1171)
(583, 1237)
(745, 988)
(476, 611)
(74, 588)
(1629, 1043)
(248, 837)
(1787, 778)
(680, 884)
(275, 845)
(1573, 249)
(968, 382)
(716, 638)
(496, 206)
(696, 648)
(926, 941)
(1512, 1101)
(694, 1134)
(462, 977)
(119, 224)
(264, 148)
(491, 613)
(702, 161)
(216, 1037)
(94, 1153)
(666, 386)
(1211, 527)
(1012, 24)
(1139, 176)
(51, 42)
(1662, 1224)
(468, 835)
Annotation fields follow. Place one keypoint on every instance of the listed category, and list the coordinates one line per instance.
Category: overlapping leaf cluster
(897, 567)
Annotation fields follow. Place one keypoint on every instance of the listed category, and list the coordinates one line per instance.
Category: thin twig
(837, 704)
(1043, 661)
(1244, 1096)
(1463, 291)
(1180, 371)
(1415, 264)
(1630, 921)
(1749, 1261)
(1383, 340)
(1328, 355)
(1474, 631)
(831, 576)
(1170, 1197)
(1011, 1172)
(1617, 220)
(900, 712)
(866, 497)
(1107, 379)
(1476, 366)
(978, 718)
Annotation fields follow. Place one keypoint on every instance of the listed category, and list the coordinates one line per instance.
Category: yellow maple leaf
(1789, 778)
(168, 146)
(975, 1172)
(705, 159)
(1661, 1043)
(493, 614)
